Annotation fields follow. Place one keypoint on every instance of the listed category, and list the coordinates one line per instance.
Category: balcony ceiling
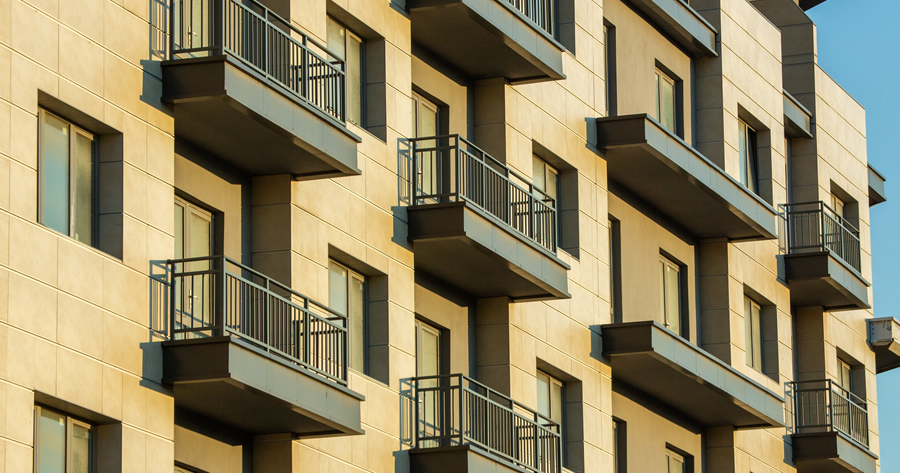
(654, 360)
(237, 385)
(682, 23)
(830, 452)
(486, 39)
(664, 171)
(820, 279)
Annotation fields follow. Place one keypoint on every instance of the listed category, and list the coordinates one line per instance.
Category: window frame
(364, 307)
(659, 78)
(748, 156)
(347, 35)
(753, 329)
(74, 132)
(551, 382)
(845, 383)
(548, 173)
(71, 422)
(673, 455)
(422, 326)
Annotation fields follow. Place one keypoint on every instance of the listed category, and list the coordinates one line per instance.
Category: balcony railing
(541, 12)
(814, 226)
(456, 410)
(825, 406)
(450, 169)
(265, 43)
(216, 296)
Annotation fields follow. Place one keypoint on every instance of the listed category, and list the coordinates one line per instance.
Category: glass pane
(200, 240)
(357, 324)
(337, 288)
(179, 231)
(428, 353)
(675, 465)
(656, 108)
(537, 172)
(543, 394)
(556, 402)
(82, 180)
(756, 335)
(354, 79)
(748, 331)
(742, 152)
(429, 124)
(673, 303)
(336, 39)
(662, 294)
(80, 449)
(668, 100)
(52, 442)
(552, 180)
(55, 173)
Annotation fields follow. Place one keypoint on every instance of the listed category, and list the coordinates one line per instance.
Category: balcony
(876, 187)
(491, 38)
(253, 354)
(661, 169)
(682, 23)
(254, 91)
(884, 338)
(831, 429)
(693, 382)
(822, 263)
(480, 226)
(797, 119)
(463, 426)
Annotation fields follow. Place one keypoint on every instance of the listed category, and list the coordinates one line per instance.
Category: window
(350, 48)
(428, 350)
(425, 117)
(545, 177)
(61, 443)
(665, 101)
(619, 447)
(675, 462)
(747, 156)
(67, 173)
(347, 296)
(425, 121)
(614, 268)
(551, 403)
(609, 67)
(845, 375)
(837, 205)
(753, 334)
(670, 301)
(193, 239)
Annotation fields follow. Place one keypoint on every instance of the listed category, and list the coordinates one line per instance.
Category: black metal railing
(541, 12)
(814, 226)
(215, 296)
(450, 169)
(457, 410)
(264, 42)
(825, 406)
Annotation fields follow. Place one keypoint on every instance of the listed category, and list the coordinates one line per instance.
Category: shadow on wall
(407, 413)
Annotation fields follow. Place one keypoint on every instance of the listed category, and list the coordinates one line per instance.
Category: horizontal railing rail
(541, 12)
(264, 42)
(216, 296)
(814, 226)
(450, 169)
(457, 410)
(825, 406)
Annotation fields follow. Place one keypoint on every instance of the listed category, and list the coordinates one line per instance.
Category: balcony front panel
(491, 38)
(256, 93)
(656, 361)
(884, 338)
(876, 187)
(831, 429)
(823, 260)
(250, 353)
(481, 227)
(661, 169)
(797, 119)
(682, 23)
(464, 426)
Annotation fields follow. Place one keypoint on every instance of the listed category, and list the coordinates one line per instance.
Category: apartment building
(420, 236)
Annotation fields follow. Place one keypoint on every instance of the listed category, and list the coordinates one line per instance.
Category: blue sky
(860, 49)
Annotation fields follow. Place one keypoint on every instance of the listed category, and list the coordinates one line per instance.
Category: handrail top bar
(829, 384)
(489, 389)
(257, 273)
(290, 25)
(843, 220)
(484, 153)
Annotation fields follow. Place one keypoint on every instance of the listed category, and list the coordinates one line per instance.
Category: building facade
(433, 236)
